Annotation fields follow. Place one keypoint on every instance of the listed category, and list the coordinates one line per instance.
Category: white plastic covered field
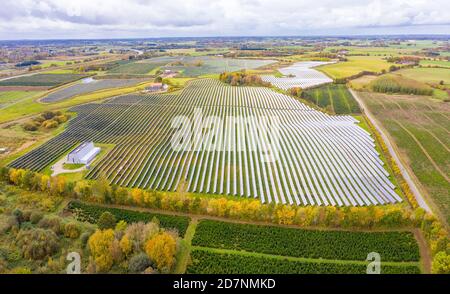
(303, 76)
(323, 159)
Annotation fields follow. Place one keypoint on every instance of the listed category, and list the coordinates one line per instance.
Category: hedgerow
(399, 84)
(343, 245)
(204, 262)
(92, 213)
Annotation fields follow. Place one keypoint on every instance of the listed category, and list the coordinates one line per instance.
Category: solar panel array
(300, 74)
(322, 159)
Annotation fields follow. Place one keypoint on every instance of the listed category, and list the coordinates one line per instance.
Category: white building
(84, 153)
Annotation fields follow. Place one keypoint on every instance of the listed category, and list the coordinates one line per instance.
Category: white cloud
(154, 18)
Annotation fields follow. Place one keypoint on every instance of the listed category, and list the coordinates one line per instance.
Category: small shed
(83, 154)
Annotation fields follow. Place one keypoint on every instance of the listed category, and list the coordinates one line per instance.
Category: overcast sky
(44, 19)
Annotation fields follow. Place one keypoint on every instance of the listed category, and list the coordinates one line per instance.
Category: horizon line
(234, 36)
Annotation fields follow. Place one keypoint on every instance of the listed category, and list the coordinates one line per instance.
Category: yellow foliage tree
(285, 215)
(100, 245)
(161, 249)
(137, 196)
(14, 176)
(43, 185)
(126, 245)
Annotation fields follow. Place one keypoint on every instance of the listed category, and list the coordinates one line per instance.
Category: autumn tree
(125, 245)
(106, 221)
(441, 263)
(161, 250)
(100, 245)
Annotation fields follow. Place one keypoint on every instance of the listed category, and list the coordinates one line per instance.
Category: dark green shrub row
(398, 84)
(340, 245)
(204, 262)
(91, 213)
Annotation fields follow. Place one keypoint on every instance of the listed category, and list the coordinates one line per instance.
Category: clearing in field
(321, 159)
(300, 74)
(420, 127)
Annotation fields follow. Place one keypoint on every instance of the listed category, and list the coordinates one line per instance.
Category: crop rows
(49, 80)
(205, 262)
(300, 74)
(333, 97)
(92, 213)
(322, 159)
(91, 86)
(342, 245)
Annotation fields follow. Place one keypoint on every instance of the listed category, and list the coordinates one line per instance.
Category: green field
(205, 65)
(427, 75)
(140, 67)
(333, 98)
(213, 262)
(355, 65)
(391, 83)
(47, 80)
(438, 63)
(133, 68)
(333, 245)
(420, 127)
(9, 97)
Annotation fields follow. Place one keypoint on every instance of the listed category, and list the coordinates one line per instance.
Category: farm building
(156, 87)
(84, 153)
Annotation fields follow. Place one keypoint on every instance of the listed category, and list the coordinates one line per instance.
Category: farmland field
(49, 80)
(9, 97)
(427, 75)
(355, 65)
(437, 63)
(341, 245)
(322, 160)
(420, 127)
(208, 262)
(334, 98)
(89, 86)
(204, 65)
(134, 68)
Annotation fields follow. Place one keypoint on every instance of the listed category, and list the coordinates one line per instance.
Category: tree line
(100, 191)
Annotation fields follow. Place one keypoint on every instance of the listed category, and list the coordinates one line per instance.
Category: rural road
(403, 170)
(58, 168)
